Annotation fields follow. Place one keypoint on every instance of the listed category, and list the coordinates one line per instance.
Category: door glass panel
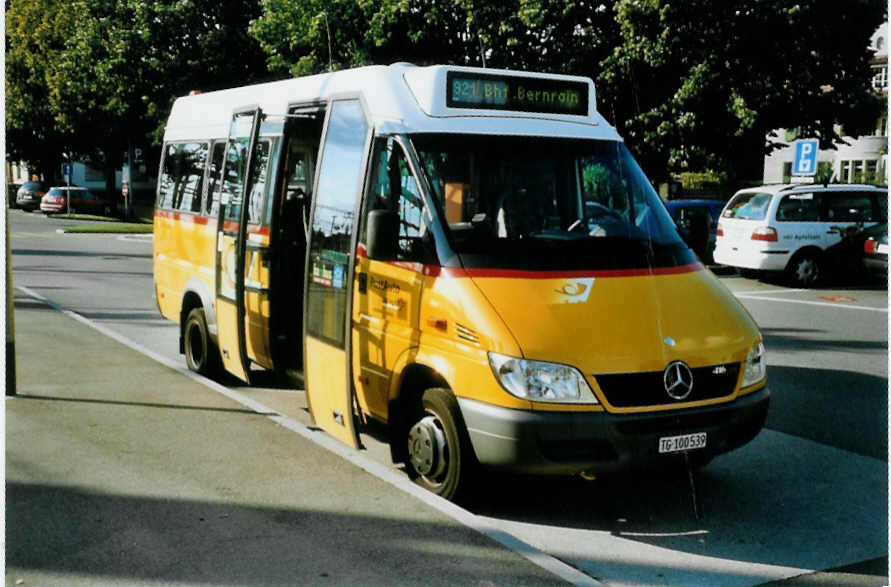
(338, 188)
(212, 206)
(233, 180)
(393, 187)
(257, 198)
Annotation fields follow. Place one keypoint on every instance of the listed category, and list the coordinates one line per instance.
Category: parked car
(82, 201)
(875, 250)
(686, 215)
(792, 228)
(28, 196)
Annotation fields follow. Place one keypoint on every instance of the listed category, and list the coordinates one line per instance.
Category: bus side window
(167, 183)
(194, 158)
(393, 187)
(182, 176)
(212, 197)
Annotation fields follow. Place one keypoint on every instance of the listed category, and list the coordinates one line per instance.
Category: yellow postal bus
(470, 256)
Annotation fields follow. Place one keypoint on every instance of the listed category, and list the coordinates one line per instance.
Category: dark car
(28, 196)
(875, 250)
(860, 252)
(697, 222)
(82, 201)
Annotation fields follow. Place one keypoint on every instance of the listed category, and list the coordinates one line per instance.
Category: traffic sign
(67, 169)
(805, 161)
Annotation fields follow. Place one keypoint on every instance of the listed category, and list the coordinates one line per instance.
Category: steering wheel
(599, 212)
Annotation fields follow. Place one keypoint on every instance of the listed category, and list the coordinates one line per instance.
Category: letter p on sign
(805, 162)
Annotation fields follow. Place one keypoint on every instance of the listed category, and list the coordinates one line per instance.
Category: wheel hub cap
(426, 447)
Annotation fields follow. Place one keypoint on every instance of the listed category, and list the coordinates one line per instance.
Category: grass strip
(61, 216)
(109, 228)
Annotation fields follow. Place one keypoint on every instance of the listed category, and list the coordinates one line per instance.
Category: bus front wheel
(440, 458)
(201, 353)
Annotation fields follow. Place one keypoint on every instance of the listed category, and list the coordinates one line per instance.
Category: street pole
(10, 326)
(68, 184)
(129, 180)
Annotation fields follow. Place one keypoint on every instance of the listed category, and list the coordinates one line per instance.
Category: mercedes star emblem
(678, 380)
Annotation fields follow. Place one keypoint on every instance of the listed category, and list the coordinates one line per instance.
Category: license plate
(680, 443)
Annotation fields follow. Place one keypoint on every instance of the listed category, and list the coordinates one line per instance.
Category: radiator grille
(633, 390)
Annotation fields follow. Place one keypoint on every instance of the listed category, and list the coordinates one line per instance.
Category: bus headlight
(756, 368)
(539, 381)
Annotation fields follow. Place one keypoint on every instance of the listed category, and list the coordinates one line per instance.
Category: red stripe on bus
(198, 219)
(170, 214)
(636, 272)
(231, 226)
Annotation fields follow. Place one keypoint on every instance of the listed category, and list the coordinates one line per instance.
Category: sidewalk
(121, 470)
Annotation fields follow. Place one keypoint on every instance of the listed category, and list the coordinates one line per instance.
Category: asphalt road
(808, 494)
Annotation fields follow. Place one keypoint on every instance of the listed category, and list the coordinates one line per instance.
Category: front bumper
(745, 256)
(600, 442)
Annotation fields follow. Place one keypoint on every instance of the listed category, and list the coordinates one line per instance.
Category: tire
(805, 269)
(201, 353)
(440, 458)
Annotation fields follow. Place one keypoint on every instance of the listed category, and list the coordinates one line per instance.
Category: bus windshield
(547, 204)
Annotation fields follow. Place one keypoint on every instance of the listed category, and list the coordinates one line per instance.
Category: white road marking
(767, 291)
(477, 523)
(812, 303)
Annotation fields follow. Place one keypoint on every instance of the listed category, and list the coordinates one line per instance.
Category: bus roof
(403, 98)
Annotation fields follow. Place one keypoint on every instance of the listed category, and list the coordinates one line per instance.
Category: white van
(792, 227)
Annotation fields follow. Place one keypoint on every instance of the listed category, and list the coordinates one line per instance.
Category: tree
(699, 84)
(107, 71)
(35, 33)
(543, 35)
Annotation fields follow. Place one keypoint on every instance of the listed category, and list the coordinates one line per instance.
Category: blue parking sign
(805, 162)
(66, 169)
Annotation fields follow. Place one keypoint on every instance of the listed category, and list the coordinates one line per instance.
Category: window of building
(857, 169)
(844, 171)
(880, 77)
(869, 175)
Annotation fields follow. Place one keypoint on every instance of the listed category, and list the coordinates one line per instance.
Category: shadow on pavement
(112, 538)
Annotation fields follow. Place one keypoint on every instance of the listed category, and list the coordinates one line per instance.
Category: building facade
(862, 159)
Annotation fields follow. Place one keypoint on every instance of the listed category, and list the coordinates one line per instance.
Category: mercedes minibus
(470, 256)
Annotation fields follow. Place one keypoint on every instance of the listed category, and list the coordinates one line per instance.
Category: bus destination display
(515, 93)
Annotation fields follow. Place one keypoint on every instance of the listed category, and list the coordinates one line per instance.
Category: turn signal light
(765, 233)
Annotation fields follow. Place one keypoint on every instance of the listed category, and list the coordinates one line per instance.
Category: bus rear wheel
(440, 458)
(201, 353)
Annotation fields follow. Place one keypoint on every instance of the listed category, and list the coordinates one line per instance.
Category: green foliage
(699, 84)
(542, 35)
(691, 180)
(35, 32)
(91, 77)
(691, 85)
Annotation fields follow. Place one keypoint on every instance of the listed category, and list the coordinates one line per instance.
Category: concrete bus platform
(122, 470)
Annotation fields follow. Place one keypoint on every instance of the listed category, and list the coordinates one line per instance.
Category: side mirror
(383, 235)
